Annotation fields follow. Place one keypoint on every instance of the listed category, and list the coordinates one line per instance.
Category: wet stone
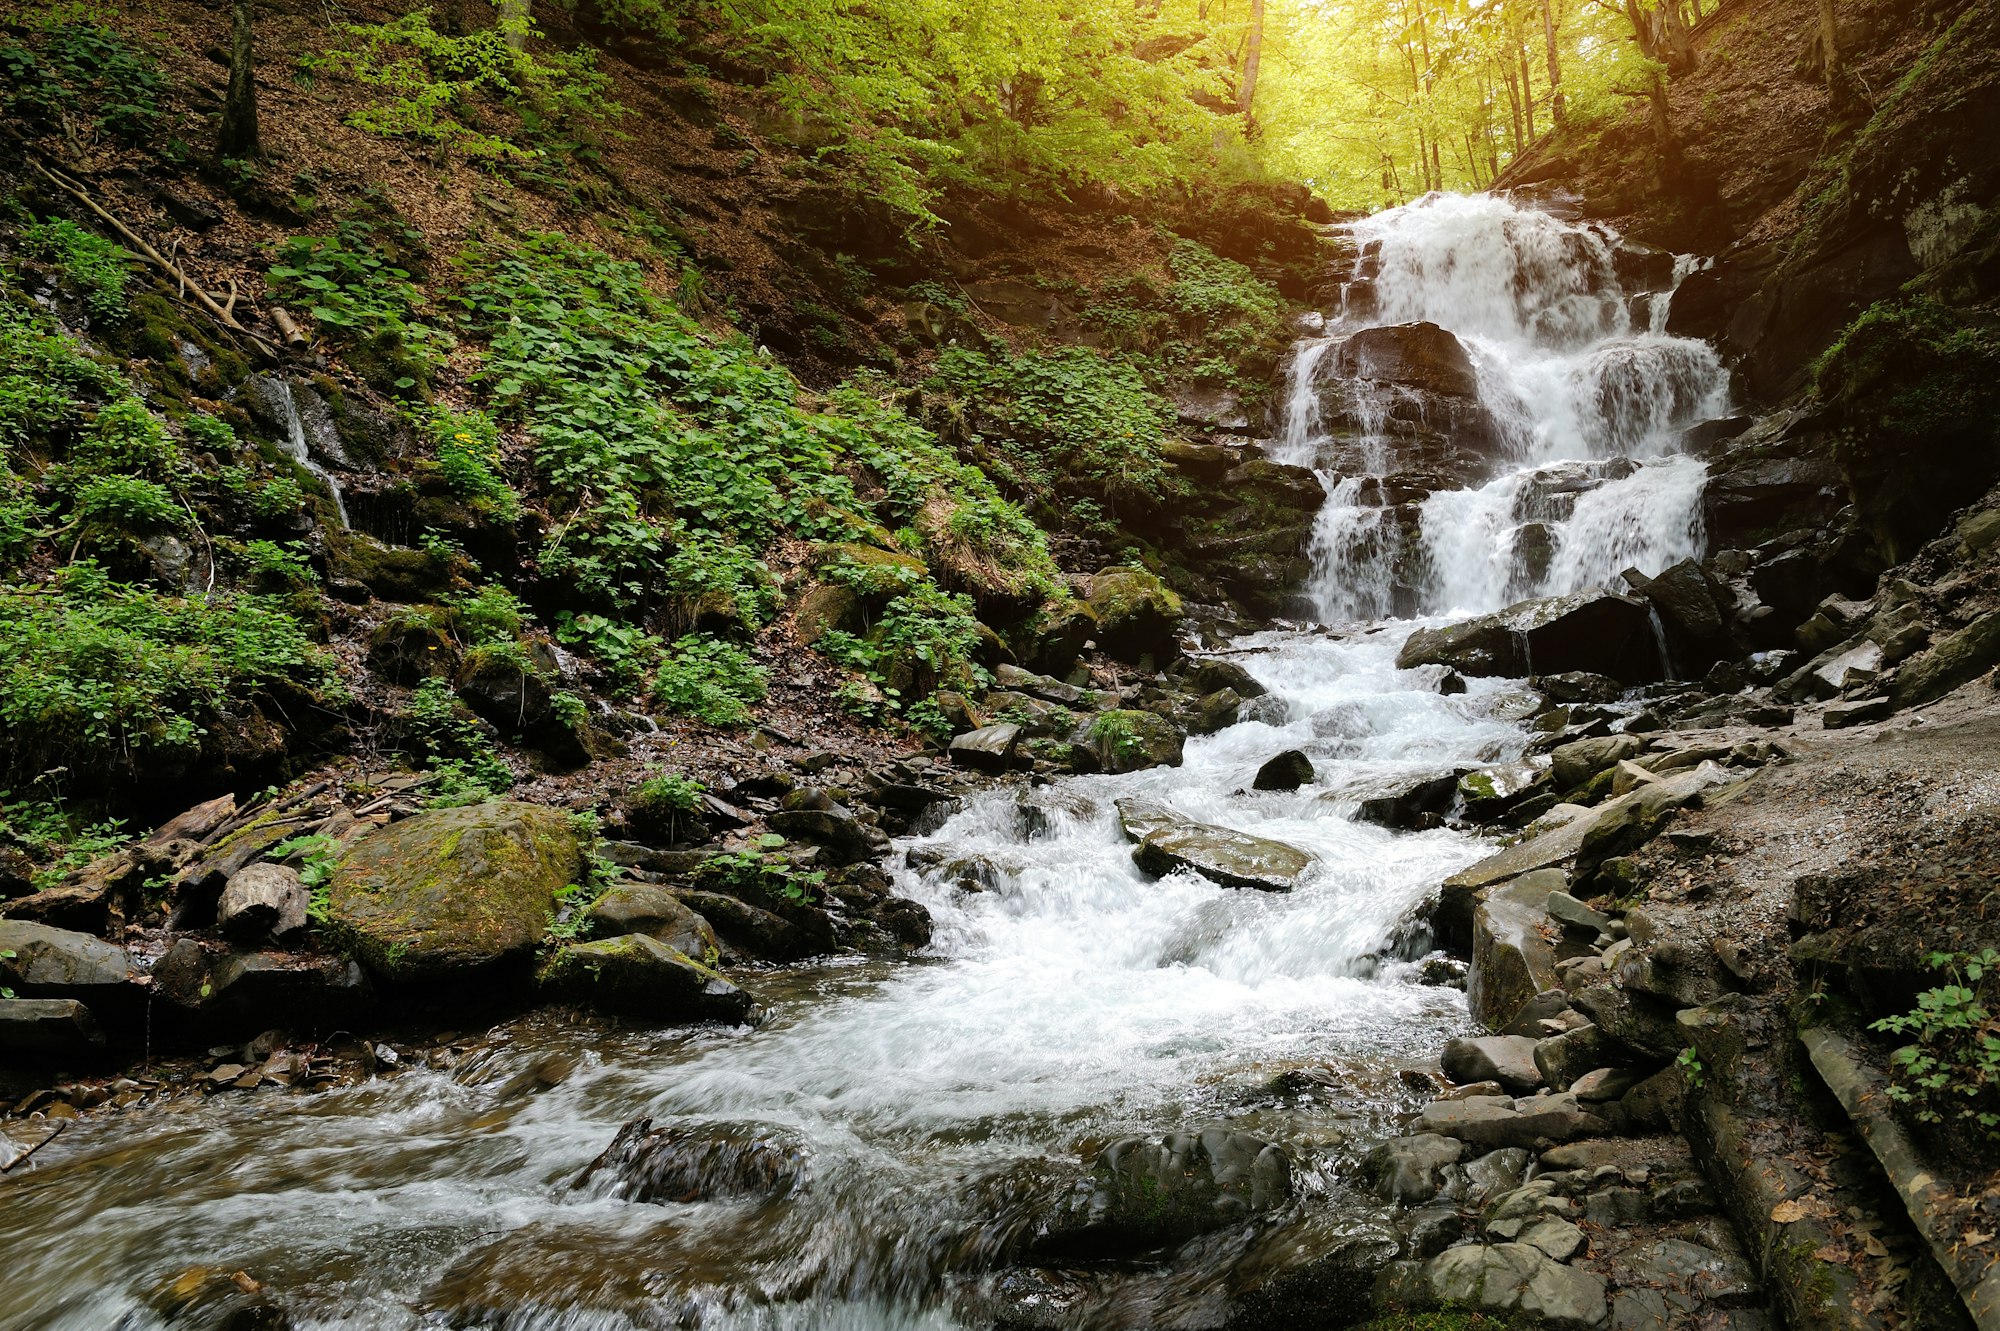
(697, 1162)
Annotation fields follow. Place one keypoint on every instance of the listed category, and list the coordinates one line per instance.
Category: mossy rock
(410, 647)
(873, 573)
(1136, 613)
(824, 607)
(1127, 741)
(390, 572)
(453, 891)
(636, 976)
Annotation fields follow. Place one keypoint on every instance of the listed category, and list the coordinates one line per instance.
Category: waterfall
(1496, 411)
(298, 448)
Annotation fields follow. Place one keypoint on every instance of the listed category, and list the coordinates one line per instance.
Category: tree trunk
(237, 136)
(453, 14)
(1555, 61)
(1252, 58)
(1527, 92)
(1838, 86)
(514, 18)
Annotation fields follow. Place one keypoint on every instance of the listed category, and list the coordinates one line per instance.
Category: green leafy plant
(467, 448)
(671, 801)
(70, 67)
(88, 262)
(435, 83)
(457, 752)
(1689, 1062)
(1949, 1073)
(762, 870)
(58, 840)
(365, 299)
(569, 916)
(319, 856)
(709, 679)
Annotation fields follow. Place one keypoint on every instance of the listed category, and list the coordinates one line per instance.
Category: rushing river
(929, 1103)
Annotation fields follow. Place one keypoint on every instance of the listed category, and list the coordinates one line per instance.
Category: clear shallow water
(1076, 1002)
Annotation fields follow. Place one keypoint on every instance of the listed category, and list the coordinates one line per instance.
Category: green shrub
(710, 680)
(126, 504)
(467, 448)
(625, 651)
(72, 70)
(47, 384)
(1071, 418)
(488, 615)
(59, 840)
(433, 83)
(1948, 1076)
(456, 750)
(92, 671)
(366, 300)
(88, 262)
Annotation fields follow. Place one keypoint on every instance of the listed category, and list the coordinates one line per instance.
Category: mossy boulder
(875, 575)
(823, 608)
(1136, 613)
(390, 572)
(454, 891)
(634, 975)
(1127, 741)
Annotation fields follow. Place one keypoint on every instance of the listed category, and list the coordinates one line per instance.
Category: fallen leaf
(1976, 1237)
(1828, 1252)
(1784, 1213)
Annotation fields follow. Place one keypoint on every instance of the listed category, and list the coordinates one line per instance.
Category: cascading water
(931, 1108)
(1560, 468)
(298, 447)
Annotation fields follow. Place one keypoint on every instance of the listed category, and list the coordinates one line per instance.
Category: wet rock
(908, 922)
(1138, 818)
(1507, 1059)
(263, 900)
(454, 890)
(1137, 614)
(408, 648)
(1288, 771)
(1596, 631)
(210, 1299)
(1222, 855)
(835, 828)
(1145, 1194)
(634, 975)
(1417, 808)
(1045, 809)
(759, 932)
(652, 910)
(1016, 680)
(1954, 660)
(40, 1027)
(45, 962)
(1518, 1280)
(1601, 1085)
(990, 749)
(683, 1163)
(1642, 1027)
(1511, 960)
(1694, 610)
(1575, 917)
(1564, 1058)
(1495, 1173)
(1703, 1275)
(1578, 686)
(1491, 794)
(1409, 1170)
(252, 991)
(1495, 1121)
(1131, 741)
(1575, 763)
(1419, 355)
(1210, 674)
(1217, 711)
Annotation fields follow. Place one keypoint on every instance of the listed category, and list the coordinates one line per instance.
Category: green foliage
(319, 855)
(456, 750)
(1113, 732)
(1070, 417)
(47, 384)
(1949, 1073)
(764, 871)
(69, 67)
(1913, 367)
(59, 840)
(624, 651)
(91, 264)
(1689, 1062)
(91, 669)
(671, 801)
(355, 289)
(489, 615)
(709, 679)
(467, 448)
(434, 84)
(572, 903)
(674, 461)
(271, 567)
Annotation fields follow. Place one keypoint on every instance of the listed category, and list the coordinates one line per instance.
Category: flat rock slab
(1222, 855)
(47, 1026)
(1507, 1059)
(1495, 1121)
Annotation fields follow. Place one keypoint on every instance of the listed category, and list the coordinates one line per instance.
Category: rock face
(633, 975)
(989, 749)
(454, 890)
(1511, 960)
(1518, 1279)
(1148, 1194)
(47, 1026)
(1507, 1059)
(1222, 855)
(57, 963)
(1422, 356)
(1136, 613)
(1407, 1170)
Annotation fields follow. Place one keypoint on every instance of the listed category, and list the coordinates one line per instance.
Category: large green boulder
(1136, 613)
(1130, 741)
(454, 891)
(633, 975)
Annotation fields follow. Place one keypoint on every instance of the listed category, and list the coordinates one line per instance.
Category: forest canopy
(1372, 102)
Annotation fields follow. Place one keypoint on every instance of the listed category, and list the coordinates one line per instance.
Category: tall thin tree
(237, 136)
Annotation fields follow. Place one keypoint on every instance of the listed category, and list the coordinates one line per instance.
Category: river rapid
(931, 1106)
